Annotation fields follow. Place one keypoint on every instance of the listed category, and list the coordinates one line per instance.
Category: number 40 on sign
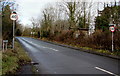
(13, 16)
(112, 28)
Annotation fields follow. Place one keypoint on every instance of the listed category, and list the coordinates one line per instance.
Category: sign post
(112, 29)
(13, 33)
(13, 17)
(112, 43)
(5, 42)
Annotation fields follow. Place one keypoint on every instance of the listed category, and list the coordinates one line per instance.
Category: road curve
(54, 59)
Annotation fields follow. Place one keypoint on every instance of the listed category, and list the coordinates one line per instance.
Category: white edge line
(106, 71)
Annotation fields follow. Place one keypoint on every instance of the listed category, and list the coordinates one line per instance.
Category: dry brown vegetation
(99, 40)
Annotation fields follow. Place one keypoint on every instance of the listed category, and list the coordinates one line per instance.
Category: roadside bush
(117, 40)
(45, 34)
(101, 40)
(64, 36)
(81, 40)
(98, 40)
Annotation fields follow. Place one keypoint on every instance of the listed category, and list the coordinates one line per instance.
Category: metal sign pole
(3, 46)
(112, 29)
(13, 33)
(112, 43)
(6, 45)
(13, 17)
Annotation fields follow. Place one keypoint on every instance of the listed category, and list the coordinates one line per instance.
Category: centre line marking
(106, 71)
(53, 49)
(41, 46)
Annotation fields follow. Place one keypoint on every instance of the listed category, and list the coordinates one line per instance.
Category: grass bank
(12, 60)
(0, 62)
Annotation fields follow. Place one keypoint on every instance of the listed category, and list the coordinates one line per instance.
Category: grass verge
(0, 62)
(12, 60)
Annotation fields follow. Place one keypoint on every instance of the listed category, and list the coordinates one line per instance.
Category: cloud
(28, 9)
(33, 8)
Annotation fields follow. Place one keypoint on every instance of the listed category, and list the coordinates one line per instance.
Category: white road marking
(50, 48)
(44, 47)
(41, 46)
(106, 71)
(53, 49)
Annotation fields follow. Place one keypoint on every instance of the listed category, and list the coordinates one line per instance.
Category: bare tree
(65, 15)
(7, 2)
(77, 12)
(48, 18)
(72, 10)
(35, 25)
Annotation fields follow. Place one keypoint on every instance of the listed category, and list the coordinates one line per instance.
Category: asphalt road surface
(54, 59)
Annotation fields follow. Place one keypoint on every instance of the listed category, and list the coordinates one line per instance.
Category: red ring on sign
(13, 18)
(112, 28)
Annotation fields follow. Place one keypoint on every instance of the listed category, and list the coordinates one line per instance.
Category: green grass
(115, 53)
(13, 59)
(0, 62)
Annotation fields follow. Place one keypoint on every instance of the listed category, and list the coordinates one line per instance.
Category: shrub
(98, 40)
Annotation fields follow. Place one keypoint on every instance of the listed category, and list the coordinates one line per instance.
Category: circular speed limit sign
(13, 16)
(112, 28)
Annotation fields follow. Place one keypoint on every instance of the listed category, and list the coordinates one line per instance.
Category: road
(54, 59)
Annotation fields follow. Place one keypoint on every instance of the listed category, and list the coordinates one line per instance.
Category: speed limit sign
(112, 28)
(13, 16)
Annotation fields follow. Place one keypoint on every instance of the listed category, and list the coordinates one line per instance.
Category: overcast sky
(33, 8)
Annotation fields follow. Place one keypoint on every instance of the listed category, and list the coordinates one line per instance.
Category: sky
(33, 8)
(30, 8)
